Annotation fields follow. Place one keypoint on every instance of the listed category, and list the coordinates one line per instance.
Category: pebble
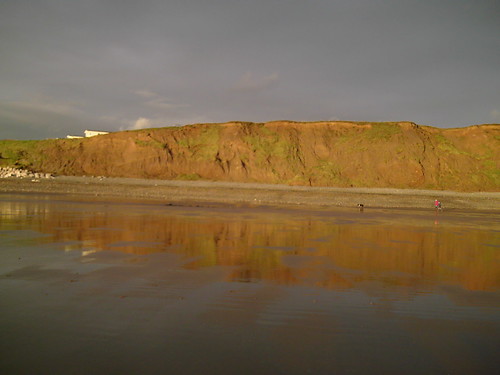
(9, 172)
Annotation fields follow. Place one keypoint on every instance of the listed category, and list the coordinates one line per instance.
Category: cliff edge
(342, 154)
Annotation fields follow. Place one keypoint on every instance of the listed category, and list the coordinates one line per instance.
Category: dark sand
(98, 288)
(207, 193)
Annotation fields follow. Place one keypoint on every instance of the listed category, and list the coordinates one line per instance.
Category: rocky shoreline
(9, 172)
(213, 193)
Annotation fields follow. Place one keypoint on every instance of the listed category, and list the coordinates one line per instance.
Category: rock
(9, 172)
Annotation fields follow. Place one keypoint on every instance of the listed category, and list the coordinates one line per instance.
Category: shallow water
(114, 288)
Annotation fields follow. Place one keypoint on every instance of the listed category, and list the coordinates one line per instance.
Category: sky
(71, 65)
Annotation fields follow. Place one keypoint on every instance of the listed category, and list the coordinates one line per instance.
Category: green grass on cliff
(204, 145)
(31, 154)
(149, 143)
(327, 170)
(491, 171)
(266, 143)
(446, 145)
(19, 153)
(382, 131)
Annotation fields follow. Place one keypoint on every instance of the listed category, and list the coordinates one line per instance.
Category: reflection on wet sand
(117, 288)
(330, 250)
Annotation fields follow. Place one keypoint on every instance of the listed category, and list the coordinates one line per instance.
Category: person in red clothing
(437, 204)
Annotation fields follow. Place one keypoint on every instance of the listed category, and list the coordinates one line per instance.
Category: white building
(88, 133)
(93, 133)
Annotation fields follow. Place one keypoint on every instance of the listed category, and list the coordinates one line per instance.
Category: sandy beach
(207, 193)
(154, 277)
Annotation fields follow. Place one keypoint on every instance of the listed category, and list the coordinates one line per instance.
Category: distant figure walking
(361, 206)
(437, 205)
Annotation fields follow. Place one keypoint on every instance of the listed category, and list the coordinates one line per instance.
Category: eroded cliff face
(402, 155)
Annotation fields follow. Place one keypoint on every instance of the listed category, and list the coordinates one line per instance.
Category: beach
(216, 193)
(101, 276)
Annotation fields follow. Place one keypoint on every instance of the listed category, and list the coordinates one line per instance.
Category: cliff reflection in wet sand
(334, 249)
(246, 290)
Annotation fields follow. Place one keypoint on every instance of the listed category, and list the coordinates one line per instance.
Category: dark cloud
(39, 118)
(71, 65)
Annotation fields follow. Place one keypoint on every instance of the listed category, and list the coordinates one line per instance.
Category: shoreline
(248, 194)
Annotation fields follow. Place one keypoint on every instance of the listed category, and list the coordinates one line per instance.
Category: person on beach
(437, 204)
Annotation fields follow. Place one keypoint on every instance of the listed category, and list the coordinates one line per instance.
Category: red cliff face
(402, 155)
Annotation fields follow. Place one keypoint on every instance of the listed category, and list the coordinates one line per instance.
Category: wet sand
(99, 287)
(210, 193)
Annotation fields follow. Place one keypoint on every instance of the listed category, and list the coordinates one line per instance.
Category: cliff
(344, 154)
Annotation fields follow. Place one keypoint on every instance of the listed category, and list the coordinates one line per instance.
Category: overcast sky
(71, 65)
